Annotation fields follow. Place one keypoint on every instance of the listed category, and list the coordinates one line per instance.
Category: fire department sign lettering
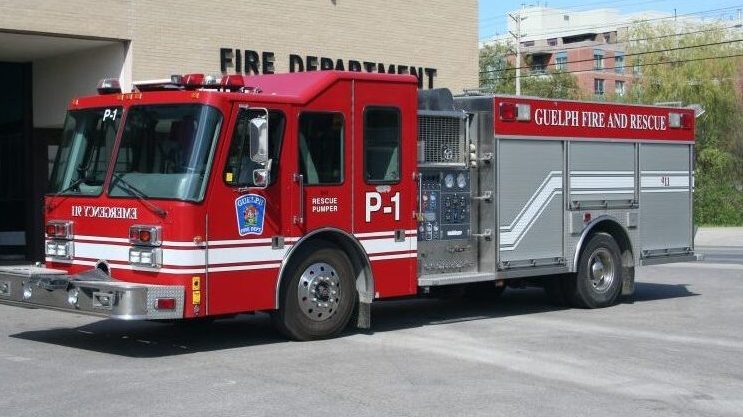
(250, 210)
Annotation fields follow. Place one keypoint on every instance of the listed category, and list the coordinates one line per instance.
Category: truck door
(384, 187)
(243, 218)
(322, 180)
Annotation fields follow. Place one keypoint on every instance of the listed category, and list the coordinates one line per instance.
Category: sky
(492, 18)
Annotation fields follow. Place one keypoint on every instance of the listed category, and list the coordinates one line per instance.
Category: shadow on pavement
(151, 340)
(645, 291)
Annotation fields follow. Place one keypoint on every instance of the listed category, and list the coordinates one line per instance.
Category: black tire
(313, 312)
(483, 291)
(598, 281)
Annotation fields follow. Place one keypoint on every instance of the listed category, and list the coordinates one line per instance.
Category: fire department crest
(250, 210)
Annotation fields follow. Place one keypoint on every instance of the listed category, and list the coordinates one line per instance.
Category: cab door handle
(299, 219)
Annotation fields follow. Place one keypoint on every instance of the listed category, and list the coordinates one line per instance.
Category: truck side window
(382, 145)
(321, 148)
(238, 171)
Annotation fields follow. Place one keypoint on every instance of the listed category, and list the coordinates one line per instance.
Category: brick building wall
(186, 36)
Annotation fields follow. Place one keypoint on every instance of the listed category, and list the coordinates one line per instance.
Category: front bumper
(96, 294)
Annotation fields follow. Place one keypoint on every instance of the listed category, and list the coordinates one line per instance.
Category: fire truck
(312, 195)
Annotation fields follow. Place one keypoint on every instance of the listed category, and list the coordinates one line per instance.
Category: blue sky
(492, 18)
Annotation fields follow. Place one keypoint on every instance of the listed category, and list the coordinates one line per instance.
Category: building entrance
(15, 137)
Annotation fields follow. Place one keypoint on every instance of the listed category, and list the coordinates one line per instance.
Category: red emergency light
(679, 120)
(59, 230)
(141, 236)
(233, 82)
(510, 112)
(193, 80)
(165, 304)
(144, 235)
(109, 86)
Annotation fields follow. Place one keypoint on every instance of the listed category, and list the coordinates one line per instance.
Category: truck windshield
(82, 160)
(166, 151)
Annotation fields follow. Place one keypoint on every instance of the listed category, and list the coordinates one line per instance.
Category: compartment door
(665, 197)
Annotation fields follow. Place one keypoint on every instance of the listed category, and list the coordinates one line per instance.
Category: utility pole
(518, 35)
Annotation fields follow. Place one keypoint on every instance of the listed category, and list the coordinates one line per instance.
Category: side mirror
(262, 176)
(259, 139)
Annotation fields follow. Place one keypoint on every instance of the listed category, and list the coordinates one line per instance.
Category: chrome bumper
(32, 286)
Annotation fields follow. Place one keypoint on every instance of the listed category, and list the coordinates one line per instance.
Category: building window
(637, 68)
(321, 148)
(598, 87)
(566, 17)
(561, 61)
(552, 42)
(598, 59)
(539, 63)
(619, 63)
(607, 37)
(527, 43)
(382, 145)
(619, 88)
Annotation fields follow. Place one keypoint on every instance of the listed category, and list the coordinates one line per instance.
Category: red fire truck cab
(310, 195)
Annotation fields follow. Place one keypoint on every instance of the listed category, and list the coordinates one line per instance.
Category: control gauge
(449, 180)
(461, 181)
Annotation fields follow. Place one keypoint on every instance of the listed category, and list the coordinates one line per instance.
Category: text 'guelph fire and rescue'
(597, 119)
(253, 62)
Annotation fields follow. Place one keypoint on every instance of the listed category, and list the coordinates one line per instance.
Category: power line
(632, 54)
(576, 8)
(627, 41)
(648, 64)
(588, 27)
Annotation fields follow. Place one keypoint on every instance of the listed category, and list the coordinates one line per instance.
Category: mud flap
(628, 284)
(363, 320)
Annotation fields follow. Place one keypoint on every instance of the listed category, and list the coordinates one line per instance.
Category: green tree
(683, 72)
(498, 75)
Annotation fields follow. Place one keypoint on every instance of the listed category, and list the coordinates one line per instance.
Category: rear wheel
(318, 297)
(598, 281)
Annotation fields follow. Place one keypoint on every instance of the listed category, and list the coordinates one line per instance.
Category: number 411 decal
(374, 204)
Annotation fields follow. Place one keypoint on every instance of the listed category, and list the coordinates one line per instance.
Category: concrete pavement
(674, 349)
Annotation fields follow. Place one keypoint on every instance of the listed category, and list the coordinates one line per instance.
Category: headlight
(60, 249)
(149, 257)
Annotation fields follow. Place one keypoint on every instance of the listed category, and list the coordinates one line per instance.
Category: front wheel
(318, 296)
(598, 281)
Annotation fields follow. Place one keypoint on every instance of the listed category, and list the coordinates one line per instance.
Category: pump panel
(446, 204)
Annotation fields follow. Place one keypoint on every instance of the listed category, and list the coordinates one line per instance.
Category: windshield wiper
(72, 186)
(133, 191)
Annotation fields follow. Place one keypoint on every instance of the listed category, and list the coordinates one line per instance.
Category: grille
(443, 139)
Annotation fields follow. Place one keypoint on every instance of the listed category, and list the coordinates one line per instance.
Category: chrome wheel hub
(602, 269)
(319, 291)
